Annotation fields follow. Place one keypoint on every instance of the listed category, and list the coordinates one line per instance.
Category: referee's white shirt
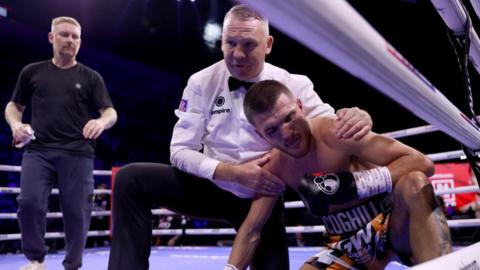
(211, 118)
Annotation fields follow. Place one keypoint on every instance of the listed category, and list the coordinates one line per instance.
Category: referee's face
(245, 43)
(65, 39)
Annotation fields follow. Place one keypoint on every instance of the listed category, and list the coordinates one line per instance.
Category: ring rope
(447, 155)
(13, 168)
(455, 154)
(231, 231)
(465, 258)
(411, 131)
(16, 190)
(459, 190)
(162, 211)
(350, 42)
(460, 223)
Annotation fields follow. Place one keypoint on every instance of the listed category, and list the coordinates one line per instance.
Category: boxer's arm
(394, 159)
(248, 236)
(376, 149)
(399, 158)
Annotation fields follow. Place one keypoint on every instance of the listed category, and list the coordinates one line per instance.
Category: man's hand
(353, 122)
(252, 175)
(22, 133)
(93, 129)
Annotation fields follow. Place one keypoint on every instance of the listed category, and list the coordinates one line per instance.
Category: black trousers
(41, 171)
(140, 185)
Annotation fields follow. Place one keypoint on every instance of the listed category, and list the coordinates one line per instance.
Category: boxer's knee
(414, 188)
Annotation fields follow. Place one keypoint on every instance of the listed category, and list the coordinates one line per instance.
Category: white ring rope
(104, 213)
(447, 155)
(411, 131)
(288, 205)
(455, 18)
(465, 258)
(459, 190)
(231, 231)
(10, 168)
(339, 33)
(216, 231)
(16, 190)
(476, 6)
(336, 31)
(461, 223)
(17, 236)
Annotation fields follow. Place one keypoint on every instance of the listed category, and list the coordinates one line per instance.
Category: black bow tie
(234, 84)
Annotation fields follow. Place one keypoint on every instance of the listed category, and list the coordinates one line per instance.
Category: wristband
(374, 181)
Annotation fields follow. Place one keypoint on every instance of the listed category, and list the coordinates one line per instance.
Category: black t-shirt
(62, 101)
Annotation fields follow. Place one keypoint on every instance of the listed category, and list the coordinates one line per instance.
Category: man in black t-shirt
(59, 142)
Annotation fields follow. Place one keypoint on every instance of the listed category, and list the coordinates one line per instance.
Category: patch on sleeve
(183, 105)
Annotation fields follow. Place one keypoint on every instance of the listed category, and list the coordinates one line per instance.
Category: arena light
(212, 33)
(3, 11)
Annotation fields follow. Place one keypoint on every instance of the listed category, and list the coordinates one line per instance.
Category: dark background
(147, 49)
